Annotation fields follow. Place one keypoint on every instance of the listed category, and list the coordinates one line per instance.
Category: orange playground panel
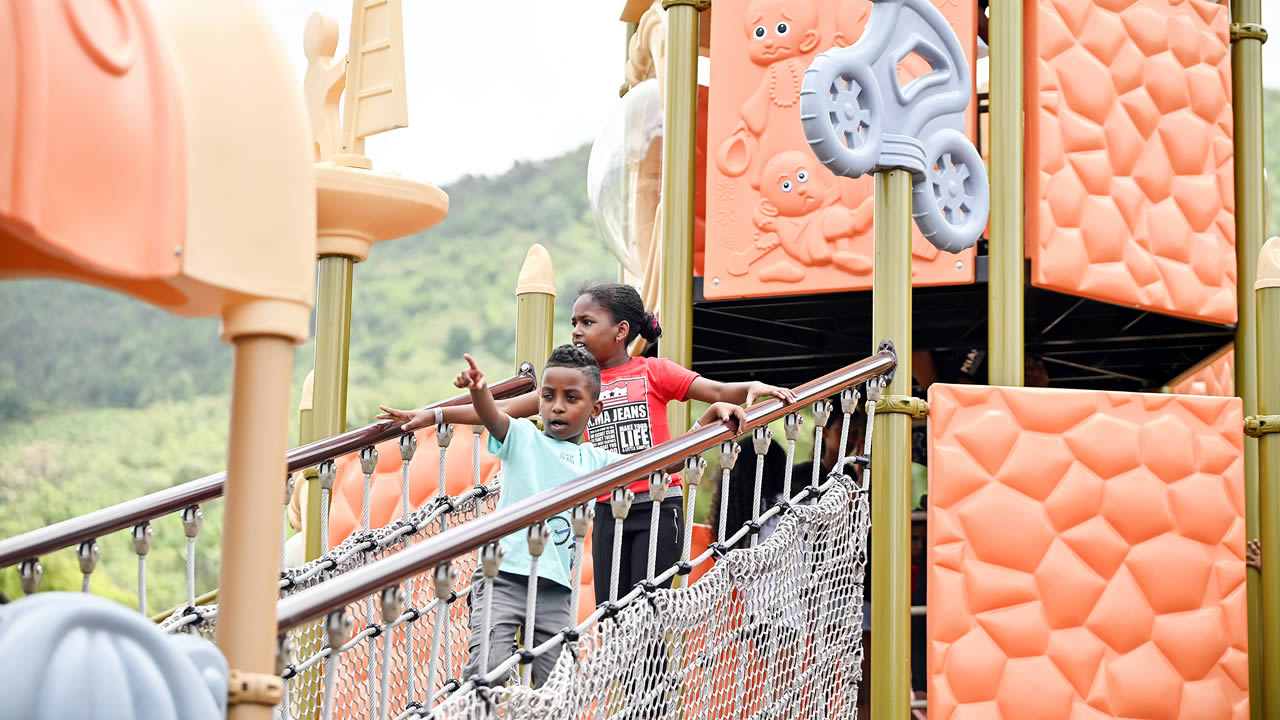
(1086, 555)
(1215, 375)
(1129, 187)
(823, 230)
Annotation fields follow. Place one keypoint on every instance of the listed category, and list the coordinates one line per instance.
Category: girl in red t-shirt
(635, 391)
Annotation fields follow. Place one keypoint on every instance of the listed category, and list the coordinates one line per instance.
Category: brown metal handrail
(148, 507)
(362, 582)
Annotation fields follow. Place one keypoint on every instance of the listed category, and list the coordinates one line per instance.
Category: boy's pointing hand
(472, 378)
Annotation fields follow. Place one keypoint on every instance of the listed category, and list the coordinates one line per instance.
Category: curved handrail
(362, 582)
(131, 512)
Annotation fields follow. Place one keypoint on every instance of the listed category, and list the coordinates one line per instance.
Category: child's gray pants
(510, 592)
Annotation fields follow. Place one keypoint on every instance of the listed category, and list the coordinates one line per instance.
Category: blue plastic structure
(859, 119)
(72, 655)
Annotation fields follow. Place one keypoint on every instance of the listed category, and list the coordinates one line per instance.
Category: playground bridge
(378, 625)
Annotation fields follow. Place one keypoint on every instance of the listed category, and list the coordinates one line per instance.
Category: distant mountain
(417, 301)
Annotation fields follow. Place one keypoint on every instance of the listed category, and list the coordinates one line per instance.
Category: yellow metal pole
(333, 337)
(1246, 93)
(1268, 304)
(891, 469)
(1005, 320)
(535, 309)
(678, 147)
(246, 631)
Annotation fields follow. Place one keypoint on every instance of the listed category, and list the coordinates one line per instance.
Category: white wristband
(439, 417)
(694, 426)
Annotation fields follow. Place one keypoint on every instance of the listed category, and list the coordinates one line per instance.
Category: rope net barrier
(772, 631)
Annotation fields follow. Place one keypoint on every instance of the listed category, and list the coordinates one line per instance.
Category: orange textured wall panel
(1129, 154)
(761, 239)
(1086, 555)
(1215, 375)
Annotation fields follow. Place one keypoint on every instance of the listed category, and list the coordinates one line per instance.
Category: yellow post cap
(304, 397)
(1268, 265)
(537, 274)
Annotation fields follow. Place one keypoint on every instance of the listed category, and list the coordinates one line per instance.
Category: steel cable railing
(138, 514)
(333, 672)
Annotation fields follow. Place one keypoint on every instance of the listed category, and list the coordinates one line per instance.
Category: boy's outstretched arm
(525, 405)
(482, 400)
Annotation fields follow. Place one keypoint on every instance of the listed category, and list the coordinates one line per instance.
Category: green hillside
(103, 398)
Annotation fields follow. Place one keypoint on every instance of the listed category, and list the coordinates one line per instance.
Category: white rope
(404, 486)
(330, 680)
(385, 696)
(366, 501)
(284, 537)
(755, 496)
(651, 562)
(530, 616)
(191, 572)
(142, 584)
(724, 503)
(324, 522)
(616, 565)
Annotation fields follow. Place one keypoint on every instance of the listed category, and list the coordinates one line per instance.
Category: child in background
(533, 462)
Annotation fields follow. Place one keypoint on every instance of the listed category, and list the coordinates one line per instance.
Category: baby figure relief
(777, 221)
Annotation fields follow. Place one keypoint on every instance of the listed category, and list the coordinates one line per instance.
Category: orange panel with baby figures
(1129, 154)
(1086, 555)
(777, 221)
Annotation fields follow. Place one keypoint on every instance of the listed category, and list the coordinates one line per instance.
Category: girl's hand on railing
(408, 419)
(758, 390)
(718, 411)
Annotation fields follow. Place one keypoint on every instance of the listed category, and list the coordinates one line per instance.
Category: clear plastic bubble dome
(624, 173)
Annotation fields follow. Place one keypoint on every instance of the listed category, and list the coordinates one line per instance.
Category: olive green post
(1267, 694)
(1246, 93)
(535, 308)
(891, 470)
(329, 397)
(1005, 321)
(678, 146)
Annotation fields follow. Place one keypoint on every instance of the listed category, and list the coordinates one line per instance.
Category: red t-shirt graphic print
(635, 396)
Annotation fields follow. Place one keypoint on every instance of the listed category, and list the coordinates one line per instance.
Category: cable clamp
(904, 404)
(1259, 425)
(254, 688)
(1244, 31)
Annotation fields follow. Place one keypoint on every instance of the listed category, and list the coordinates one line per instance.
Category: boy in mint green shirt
(533, 462)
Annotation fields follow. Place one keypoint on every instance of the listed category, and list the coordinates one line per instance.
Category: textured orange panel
(1129, 154)
(1086, 555)
(762, 240)
(1215, 375)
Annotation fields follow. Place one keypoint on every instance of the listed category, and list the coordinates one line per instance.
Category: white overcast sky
(494, 82)
(489, 82)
